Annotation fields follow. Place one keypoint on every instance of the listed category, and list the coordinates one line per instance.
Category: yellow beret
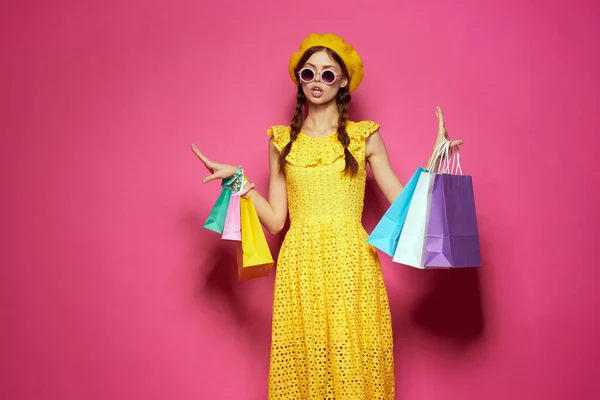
(345, 51)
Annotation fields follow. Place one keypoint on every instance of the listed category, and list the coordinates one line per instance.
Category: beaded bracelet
(238, 183)
(245, 187)
(235, 182)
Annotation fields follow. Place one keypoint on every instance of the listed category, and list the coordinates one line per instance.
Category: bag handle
(442, 153)
(459, 168)
(443, 166)
(456, 168)
(438, 153)
(449, 159)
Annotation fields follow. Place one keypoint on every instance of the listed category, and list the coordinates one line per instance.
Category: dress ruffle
(315, 152)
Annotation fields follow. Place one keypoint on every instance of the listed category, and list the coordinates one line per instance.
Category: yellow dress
(332, 332)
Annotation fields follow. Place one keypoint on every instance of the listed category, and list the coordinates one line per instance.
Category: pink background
(111, 289)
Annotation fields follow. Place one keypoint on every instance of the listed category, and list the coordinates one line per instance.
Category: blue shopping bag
(387, 231)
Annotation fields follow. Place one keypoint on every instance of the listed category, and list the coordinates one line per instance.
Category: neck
(322, 118)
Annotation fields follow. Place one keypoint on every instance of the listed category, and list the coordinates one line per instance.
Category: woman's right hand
(217, 170)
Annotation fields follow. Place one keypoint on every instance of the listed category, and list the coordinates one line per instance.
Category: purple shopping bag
(231, 228)
(452, 239)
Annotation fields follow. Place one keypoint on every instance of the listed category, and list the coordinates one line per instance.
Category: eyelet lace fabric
(332, 332)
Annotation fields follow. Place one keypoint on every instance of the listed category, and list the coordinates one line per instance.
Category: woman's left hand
(442, 135)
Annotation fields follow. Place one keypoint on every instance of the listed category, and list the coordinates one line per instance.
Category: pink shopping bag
(232, 229)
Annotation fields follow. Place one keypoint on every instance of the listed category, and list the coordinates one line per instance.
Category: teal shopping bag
(387, 231)
(216, 218)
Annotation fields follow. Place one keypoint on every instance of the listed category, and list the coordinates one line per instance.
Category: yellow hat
(345, 51)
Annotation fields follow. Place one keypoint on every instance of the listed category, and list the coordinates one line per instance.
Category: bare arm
(273, 212)
(384, 175)
(377, 158)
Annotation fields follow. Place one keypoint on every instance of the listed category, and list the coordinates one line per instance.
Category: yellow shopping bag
(254, 256)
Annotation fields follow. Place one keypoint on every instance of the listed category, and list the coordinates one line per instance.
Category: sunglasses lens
(328, 77)
(307, 75)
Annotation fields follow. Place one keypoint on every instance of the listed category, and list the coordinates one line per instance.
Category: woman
(332, 331)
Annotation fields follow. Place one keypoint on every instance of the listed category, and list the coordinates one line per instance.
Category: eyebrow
(324, 66)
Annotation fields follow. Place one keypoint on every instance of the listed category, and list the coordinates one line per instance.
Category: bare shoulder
(374, 145)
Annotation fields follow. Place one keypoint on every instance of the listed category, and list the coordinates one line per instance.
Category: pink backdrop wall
(111, 289)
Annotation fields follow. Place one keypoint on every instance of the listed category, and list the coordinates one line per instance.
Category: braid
(295, 125)
(343, 101)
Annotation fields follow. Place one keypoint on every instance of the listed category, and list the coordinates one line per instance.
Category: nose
(317, 77)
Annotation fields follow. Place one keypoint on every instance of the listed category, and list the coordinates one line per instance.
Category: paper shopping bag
(387, 231)
(411, 243)
(216, 218)
(452, 238)
(232, 227)
(253, 256)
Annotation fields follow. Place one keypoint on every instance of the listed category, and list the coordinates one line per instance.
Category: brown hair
(343, 99)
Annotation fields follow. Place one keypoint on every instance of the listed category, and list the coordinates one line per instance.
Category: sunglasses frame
(315, 73)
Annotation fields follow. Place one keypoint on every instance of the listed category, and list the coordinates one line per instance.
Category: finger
(440, 115)
(456, 143)
(201, 156)
(441, 127)
(210, 178)
(198, 153)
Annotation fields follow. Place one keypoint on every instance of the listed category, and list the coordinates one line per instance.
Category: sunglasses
(328, 76)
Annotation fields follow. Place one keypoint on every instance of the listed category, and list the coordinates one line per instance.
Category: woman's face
(320, 90)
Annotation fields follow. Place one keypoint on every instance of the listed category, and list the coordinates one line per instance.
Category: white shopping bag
(411, 244)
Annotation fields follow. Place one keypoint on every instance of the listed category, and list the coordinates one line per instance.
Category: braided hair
(343, 99)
